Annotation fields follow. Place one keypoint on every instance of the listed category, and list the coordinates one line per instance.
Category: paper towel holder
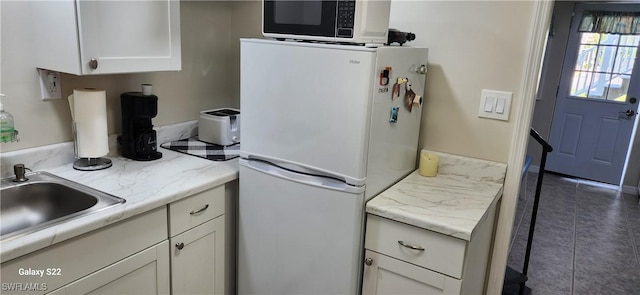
(87, 164)
(92, 164)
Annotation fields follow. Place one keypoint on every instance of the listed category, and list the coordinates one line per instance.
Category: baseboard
(626, 189)
(630, 189)
(534, 169)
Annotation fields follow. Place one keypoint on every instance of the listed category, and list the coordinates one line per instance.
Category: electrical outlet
(50, 84)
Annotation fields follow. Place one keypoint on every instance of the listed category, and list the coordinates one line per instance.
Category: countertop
(144, 185)
(451, 203)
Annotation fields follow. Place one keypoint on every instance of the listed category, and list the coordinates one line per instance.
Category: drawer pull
(194, 212)
(179, 246)
(412, 247)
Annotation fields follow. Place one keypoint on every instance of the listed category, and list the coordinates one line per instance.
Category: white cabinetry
(127, 257)
(133, 256)
(202, 242)
(386, 275)
(145, 272)
(404, 259)
(197, 259)
(198, 243)
(84, 37)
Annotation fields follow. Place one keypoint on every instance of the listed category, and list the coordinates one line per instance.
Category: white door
(308, 104)
(597, 101)
(129, 36)
(384, 275)
(297, 234)
(197, 259)
(146, 272)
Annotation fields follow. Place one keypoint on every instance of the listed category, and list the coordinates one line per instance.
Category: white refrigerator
(324, 130)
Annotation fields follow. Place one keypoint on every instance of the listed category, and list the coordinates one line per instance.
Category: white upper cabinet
(87, 37)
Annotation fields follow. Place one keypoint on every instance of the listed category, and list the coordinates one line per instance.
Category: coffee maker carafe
(138, 139)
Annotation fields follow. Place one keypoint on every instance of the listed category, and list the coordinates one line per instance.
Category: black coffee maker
(138, 139)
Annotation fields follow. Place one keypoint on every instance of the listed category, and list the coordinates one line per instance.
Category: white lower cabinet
(128, 257)
(405, 259)
(386, 275)
(146, 272)
(202, 242)
(197, 259)
(186, 247)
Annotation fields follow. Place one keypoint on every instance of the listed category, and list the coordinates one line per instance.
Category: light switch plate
(492, 101)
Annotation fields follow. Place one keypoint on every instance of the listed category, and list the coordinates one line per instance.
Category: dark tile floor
(586, 239)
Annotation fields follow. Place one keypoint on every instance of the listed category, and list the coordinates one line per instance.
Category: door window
(604, 65)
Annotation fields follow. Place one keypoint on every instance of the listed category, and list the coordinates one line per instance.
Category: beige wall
(473, 45)
(203, 83)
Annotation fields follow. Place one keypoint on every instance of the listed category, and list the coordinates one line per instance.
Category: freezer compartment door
(309, 105)
(296, 238)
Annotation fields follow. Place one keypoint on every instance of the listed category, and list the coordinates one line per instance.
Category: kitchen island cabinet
(86, 37)
(432, 235)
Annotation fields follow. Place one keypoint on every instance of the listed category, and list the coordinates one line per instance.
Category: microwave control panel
(346, 15)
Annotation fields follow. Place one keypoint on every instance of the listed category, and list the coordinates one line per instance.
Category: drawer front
(196, 210)
(441, 253)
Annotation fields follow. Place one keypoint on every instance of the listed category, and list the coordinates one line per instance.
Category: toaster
(219, 126)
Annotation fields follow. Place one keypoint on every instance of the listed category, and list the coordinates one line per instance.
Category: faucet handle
(19, 171)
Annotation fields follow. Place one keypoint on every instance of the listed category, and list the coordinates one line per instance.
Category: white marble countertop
(145, 186)
(451, 203)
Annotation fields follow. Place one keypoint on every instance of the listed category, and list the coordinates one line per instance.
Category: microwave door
(315, 18)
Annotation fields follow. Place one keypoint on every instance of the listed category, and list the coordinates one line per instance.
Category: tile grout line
(524, 210)
(575, 238)
(630, 230)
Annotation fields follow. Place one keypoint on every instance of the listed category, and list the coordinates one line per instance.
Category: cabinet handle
(368, 261)
(412, 247)
(179, 246)
(194, 212)
(93, 63)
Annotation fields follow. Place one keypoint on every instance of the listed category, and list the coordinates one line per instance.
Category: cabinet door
(197, 259)
(387, 275)
(146, 272)
(129, 36)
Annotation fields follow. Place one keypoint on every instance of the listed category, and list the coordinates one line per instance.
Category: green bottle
(7, 131)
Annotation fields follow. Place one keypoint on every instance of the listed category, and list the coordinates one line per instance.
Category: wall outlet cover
(50, 84)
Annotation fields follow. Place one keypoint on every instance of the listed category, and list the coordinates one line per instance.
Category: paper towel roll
(89, 111)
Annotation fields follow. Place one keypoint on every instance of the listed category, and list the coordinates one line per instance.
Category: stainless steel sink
(44, 200)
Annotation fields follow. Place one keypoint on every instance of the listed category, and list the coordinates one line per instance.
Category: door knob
(368, 261)
(93, 63)
(627, 114)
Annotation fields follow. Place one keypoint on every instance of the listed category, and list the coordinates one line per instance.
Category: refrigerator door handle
(313, 180)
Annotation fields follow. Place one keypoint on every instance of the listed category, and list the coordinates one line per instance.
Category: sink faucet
(19, 169)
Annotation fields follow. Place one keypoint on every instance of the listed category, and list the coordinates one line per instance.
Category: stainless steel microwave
(349, 21)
